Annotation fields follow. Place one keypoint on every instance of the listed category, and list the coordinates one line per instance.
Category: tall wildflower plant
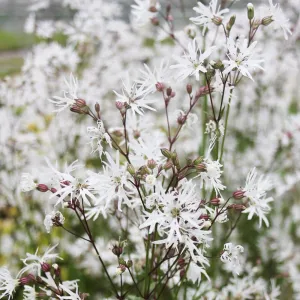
(168, 169)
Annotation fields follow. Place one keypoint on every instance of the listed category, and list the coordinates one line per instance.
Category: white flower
(193, 62)
(111, 184)
(98, 134)
(29, 293)
(151, 179)
(177, 218)
(211, 175)
(71, 295)
(256, 190)
(70, 187)
(27, 184)
(134, 96)
(7, 283)
(54, 218)
(150, 79)
(194, 272)
(141, 12)
(230, 256)
(70, 95)
(33, 261)
(208, 15)
(240, 57)
(279, 20)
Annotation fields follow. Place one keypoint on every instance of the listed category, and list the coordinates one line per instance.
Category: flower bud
(130, 169)
(166, 153)
(120, 269)
(173, 94)
(168, 165)
(53, 190)
(239, 194)
(198, 160)
(182, 273)
(77, 110)
(129, 263)
(201, 167)
(42, 188)
(217, 20)
(169, 91)
(189, 88)
(181, 119)
(151, 164)
(155, 21)
(117, 250)
(202, 91)
(250, 10)
(27, 279)
(210, 74)
(122, 261)
(97, 107)
(230, 23)
(152, 9)
(218, 65)
(204, 217)
(215, 201)
(119, 105)
(238, 207)
(45, 267)
(160, 87)
(56, 269)
(267, 20)
(181, 262)
(80, 102)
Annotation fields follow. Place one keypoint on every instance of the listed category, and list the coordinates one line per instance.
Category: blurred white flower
(208, 14)
(70, 95)
(255, 190)
(144, 10)
(278, 18)
(98, 134)
(230, 256)
(27, 184)
(33, 262)
(54, 218)
(193, 62)
(72, 292)
(29, 293)
(7, 283)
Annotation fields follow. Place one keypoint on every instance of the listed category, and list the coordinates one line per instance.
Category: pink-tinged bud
(189, 88)
(153, 9)
(181, 119)
(136, 134)
(151, 164)
(239, 207)
(173, 94)
(53, 190)
(119, 105)
(42, 188)
(27, 279)
(170, 18)
(80, 103)
(217, 20)
(97, 107)
(117, 250)
(201, 167)
(155, 21)
(79, 110)
(169, 91)
(181, 262)
(65, 182)
(56, 269)
(168, 165)
(239, 194)
(45, 267)
(215, 201)
(160, 87)
(204, 90)
(204, 217)
(182, 273)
